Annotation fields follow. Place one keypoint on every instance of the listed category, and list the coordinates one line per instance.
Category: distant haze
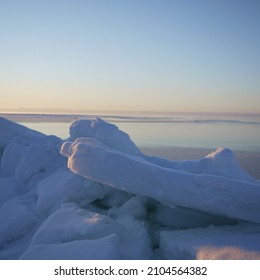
(130, 56)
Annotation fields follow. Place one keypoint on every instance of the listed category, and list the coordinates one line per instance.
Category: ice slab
(64, 186)
(71, 223)
(211, 193)
(107, 133)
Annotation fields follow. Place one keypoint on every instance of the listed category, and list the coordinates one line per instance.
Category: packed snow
(95, 195)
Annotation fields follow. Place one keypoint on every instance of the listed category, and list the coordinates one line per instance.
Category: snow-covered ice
(105, 248)
(107, 133)
(215, 194)
(96, 196)
(239, 241)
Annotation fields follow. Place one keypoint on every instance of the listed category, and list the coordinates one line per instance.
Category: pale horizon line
(66, 111)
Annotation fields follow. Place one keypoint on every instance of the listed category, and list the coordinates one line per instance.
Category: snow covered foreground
(96, 196)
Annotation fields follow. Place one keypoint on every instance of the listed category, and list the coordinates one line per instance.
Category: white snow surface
(11, 131)
(107, 133)
(96, 196)
(235, 197)
(228, 242)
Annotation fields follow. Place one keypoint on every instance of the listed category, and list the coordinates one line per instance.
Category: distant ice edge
(96, 196)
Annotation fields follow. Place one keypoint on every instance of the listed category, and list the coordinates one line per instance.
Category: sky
(130, 55)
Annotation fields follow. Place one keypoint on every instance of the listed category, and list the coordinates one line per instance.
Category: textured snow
(221, 162)
(8, 189)
(107, 133)
(96, 196)
(17, 219)
(65, 186)
(240, 241)
(210, 193)
(11, 131)
(72, 223)
(105, 248)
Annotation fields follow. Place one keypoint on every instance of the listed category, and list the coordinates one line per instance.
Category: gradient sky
(130, 55)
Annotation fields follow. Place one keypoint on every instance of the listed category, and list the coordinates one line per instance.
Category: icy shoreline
(96, 192)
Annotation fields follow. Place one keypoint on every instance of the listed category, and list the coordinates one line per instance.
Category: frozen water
(96, 196)
(211, 193)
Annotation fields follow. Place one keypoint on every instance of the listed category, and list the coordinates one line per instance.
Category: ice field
(95, 195)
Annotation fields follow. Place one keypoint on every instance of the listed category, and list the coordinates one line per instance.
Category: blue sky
(139, 55)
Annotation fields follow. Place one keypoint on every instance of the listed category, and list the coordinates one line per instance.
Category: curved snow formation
(107, 133)
(96, 196)
(215, 184)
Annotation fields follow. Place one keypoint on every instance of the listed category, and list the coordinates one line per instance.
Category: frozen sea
(96, 195)
(174, 136)
(237, 132)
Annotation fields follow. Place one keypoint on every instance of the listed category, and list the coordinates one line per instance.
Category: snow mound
(96, 196)
(72, 223)
(30, 166)
(17, 219)
(107, 133)
(221, 162)
(10, 131)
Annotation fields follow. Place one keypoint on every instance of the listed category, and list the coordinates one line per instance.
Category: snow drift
(96, 196)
